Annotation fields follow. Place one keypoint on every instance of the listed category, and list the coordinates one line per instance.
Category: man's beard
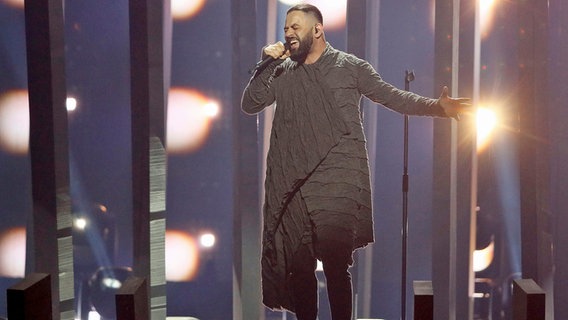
(300, 54)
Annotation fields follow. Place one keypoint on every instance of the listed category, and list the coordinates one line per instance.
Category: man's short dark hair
(309, 9)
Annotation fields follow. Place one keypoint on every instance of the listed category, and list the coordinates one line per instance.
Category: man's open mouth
(294, 44)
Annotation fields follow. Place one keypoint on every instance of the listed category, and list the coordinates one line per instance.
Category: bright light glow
(207, 240)
(482, 258)
(185, 9)
(14, 122)
(211, 109)
(13, 253)
(334, 12)
(486, 124)
(486, 15)
(93, 315)
(319, 266)
(81, 223)
(15, 3)
(112, 283)
(189, 117)
(486, 5)
(71, 104)
(182, 256)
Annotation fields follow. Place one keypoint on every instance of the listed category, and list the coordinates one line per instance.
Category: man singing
(318, 193)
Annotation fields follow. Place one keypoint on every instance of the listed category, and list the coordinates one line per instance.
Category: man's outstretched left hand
(454, 106)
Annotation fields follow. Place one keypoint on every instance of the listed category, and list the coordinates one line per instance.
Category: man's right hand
(276, 51)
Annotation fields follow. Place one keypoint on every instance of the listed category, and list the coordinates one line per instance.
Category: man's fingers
(284, 53)
(280, 46)
(276, 50)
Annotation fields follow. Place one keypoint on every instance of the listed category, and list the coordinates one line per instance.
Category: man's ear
(318, 30)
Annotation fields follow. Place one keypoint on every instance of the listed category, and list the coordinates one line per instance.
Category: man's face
(299, 34)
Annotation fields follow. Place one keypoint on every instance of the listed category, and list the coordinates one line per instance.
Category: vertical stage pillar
(49, 241)
(246, 158)
(443, 273)
(149, 37)
(534, 161)
(558, 113)
(356, 31)
(362, 40)
(454, 167)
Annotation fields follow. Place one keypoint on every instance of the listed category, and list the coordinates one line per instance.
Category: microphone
(259, 66)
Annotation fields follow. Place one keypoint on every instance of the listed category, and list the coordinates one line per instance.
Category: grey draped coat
(317, 164)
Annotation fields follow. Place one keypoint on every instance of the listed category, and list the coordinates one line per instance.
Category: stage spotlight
(189, 117)
(80, 223)
(486, 124)
(182, 256)
(486, 5)
(211, 109)
(15, 3)
(486, 16)
(482, 258)
(14, 122)
(71, 104)
(13, 253)
(185, 9)
(207, 240)
(102, 208)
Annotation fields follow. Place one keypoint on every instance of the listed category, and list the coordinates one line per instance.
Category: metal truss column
(150, 39)
(50, 245)
(246, 159)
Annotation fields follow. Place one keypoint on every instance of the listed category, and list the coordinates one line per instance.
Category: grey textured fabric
(317, 168)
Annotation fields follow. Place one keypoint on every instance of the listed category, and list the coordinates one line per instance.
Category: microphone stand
(409, 76)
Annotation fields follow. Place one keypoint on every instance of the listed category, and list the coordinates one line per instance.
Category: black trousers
(336, 257)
